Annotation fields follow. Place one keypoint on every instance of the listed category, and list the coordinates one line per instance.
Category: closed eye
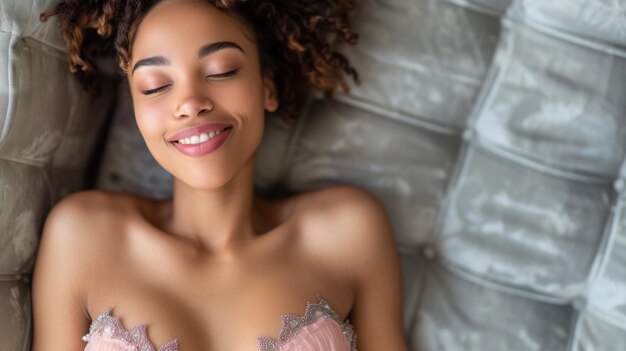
(156, 90)
(224, 75)
(214, 76)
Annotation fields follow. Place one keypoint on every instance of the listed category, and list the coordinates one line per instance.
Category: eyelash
(219, 75)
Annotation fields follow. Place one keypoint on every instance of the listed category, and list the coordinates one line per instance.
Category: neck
(222, 220)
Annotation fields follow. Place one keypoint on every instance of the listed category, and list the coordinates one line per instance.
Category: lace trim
(136, 337)
(292, 324)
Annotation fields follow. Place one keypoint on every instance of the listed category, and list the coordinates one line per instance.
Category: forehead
(175, 25)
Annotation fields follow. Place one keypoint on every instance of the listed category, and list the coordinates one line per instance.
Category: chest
(220, 307)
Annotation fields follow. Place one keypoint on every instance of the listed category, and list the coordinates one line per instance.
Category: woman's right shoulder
(78, 233)
(90, 202)
(88, 208)
(89, 218)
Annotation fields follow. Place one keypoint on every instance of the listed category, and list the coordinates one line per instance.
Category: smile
(202, 144)
(201, 138)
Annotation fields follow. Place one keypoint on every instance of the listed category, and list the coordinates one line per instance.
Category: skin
(216, 266)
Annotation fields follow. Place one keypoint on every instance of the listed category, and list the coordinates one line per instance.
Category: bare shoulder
(353, 232)
(351, 226)
(88, 224)
(351, 208)
(74, 226)
(88, 204)
(352, 203)
(83, 213)
(75, 218)
(68, 247)
(349, 200)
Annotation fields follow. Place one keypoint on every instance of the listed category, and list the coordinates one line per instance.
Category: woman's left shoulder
(352, 208)
(353, 202)
(349, 226)
(354, 237)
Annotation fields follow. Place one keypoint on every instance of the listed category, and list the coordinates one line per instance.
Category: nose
(192, 102)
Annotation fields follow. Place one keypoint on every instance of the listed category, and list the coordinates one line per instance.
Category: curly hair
(294, 40)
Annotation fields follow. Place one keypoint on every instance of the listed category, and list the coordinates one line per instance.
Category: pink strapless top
(319, 329)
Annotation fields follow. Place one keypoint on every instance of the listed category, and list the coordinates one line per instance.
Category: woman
(216, 267)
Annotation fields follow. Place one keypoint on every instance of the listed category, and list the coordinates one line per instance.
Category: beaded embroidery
(292, 324)
(136, 337)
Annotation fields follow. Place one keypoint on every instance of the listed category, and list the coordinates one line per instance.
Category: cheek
(149, 121)
(246, 97)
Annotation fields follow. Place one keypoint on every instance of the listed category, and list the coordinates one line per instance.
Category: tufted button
(579, 303)
(618, 184)
(468, 134)
(429, 251)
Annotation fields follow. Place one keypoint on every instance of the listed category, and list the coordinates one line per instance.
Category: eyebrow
(204, 51)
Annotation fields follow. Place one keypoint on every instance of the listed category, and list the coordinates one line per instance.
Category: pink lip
(205, 128)
(203, 148)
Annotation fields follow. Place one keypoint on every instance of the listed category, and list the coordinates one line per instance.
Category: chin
(207, 180)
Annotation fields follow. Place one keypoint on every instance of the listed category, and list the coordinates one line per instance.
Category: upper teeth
(197, 139)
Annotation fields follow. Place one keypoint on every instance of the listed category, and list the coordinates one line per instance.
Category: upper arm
(374, 269)
(60, 317)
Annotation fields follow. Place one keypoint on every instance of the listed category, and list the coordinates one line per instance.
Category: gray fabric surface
(47, 129)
